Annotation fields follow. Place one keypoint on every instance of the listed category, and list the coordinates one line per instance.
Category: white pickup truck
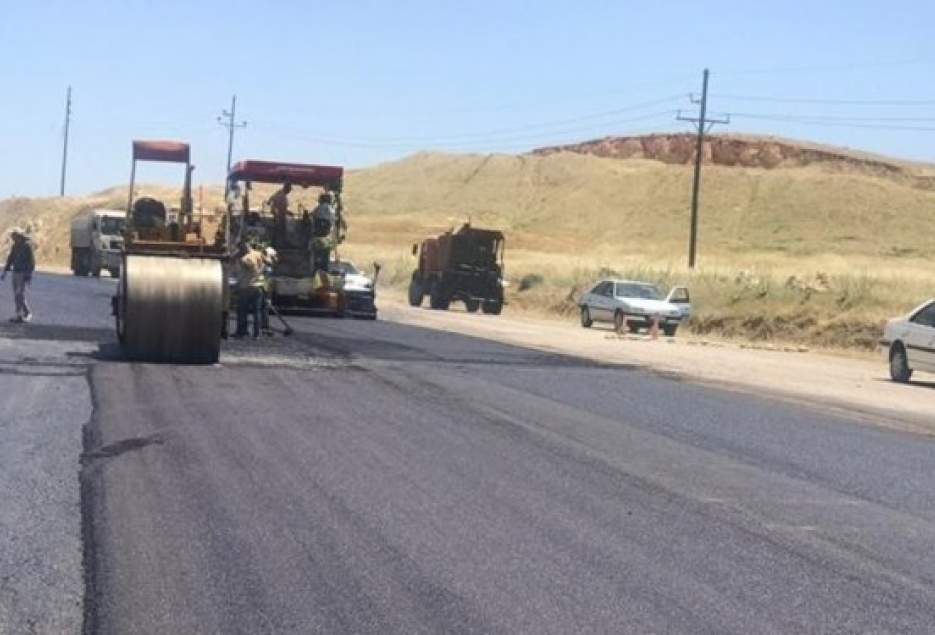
(96, 241)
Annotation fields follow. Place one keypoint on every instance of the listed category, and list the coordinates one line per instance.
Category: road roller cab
(171, 300)
(273, 204)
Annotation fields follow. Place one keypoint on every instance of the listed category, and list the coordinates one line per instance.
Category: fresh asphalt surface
(371, 477)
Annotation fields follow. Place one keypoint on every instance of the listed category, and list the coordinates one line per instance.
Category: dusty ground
(854, 383)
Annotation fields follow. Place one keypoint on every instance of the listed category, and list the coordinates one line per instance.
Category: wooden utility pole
(227, 120)
(61, 190)
(703, 124)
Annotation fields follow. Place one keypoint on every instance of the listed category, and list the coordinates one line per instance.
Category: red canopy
(170, 151)
(295, 173)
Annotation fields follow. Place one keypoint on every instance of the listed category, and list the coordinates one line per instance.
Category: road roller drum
(170, 309)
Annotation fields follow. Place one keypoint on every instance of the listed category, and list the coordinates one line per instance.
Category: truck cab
(96, 242)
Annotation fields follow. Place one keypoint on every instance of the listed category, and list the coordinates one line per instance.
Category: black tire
(899, 364)
(439, 298)
(472, 305)
(114, 272)
(619, 321)
(416, 292)
(670, 329)
(586, 320)
(492, 308)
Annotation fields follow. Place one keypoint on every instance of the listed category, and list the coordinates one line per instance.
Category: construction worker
(271, 258)
(279, 206)
(251, 284)
(22, 262)
(323, 220)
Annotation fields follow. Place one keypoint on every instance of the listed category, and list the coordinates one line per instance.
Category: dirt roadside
(856, 385)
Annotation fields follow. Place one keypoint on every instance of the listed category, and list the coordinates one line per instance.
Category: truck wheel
(669, 330)
(416, 292)
(472, 305)
(899, 364)
(439, 299)
(586, 320)
(492, 308)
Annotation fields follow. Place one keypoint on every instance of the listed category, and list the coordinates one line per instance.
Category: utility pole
(704, 124)
(226, 119)
(61, 191)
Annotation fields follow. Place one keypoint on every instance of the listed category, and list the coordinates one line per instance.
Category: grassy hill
(841, 242)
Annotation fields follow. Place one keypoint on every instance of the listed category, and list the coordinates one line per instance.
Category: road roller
(171, 300)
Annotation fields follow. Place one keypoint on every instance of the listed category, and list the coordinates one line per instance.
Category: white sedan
(634, 304)
(910, 342)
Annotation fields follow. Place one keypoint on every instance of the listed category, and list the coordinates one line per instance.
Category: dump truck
(304, 278)
(96, 241)
(464, 265)
(171, 300)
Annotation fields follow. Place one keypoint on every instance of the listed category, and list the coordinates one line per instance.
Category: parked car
(636, 303)
(909, 342)
(359, 288)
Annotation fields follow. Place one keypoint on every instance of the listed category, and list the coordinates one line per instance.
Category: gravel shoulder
(856, 385)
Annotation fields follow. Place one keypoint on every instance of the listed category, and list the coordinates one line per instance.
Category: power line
(842, 102)
(833, 123)
(416, 142)
(826, 68)
(499, 132)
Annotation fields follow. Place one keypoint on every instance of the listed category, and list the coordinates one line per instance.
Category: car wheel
(899, 364)
(586, 320)
(670, 330)
(620, 321)
(472, 305)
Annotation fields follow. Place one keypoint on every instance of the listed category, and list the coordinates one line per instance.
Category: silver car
(635, 305)
(909, 342)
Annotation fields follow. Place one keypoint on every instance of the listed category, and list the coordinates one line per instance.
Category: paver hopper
(170, 303)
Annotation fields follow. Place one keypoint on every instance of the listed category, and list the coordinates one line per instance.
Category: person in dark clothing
(22, 262)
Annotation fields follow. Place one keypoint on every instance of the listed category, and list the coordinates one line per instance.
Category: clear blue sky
(362, 82)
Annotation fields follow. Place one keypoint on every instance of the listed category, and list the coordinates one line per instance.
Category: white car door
(602, 297)
(920, 339)
(680, 297)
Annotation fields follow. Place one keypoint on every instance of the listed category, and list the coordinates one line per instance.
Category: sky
(359, 83)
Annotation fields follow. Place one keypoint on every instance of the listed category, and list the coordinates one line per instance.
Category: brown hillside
(749, 152)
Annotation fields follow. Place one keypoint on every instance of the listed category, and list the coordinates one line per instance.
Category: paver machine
(171, 300)
(465, 265)
(302, 279)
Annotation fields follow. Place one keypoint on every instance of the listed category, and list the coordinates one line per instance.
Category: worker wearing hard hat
(22, 262)
(251, 283)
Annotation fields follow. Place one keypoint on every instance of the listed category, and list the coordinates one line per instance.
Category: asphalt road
(371, 477)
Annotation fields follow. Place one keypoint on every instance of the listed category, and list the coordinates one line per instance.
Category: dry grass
(819, 255)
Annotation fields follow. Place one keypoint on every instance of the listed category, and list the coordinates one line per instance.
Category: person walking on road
(22, 262)
(251, 284)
